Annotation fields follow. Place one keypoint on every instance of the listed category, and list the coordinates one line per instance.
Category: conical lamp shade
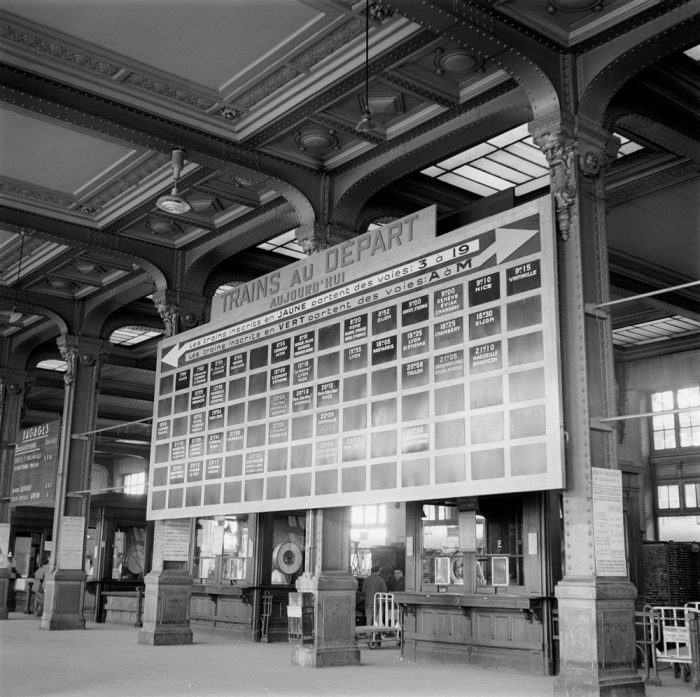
(366, 123)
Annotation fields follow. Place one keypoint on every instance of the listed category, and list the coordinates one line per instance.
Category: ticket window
(223, 550)
(472, 551)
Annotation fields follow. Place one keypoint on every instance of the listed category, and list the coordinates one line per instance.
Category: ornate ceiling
(264, 97)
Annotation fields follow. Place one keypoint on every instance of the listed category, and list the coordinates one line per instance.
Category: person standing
(373, 584)
(397, 582)
(38, 590)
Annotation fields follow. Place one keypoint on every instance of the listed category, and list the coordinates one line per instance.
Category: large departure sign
(395, 366)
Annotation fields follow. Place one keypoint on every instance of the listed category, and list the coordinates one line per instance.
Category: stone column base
(166, 609)
(597, 638)
(63, 600)
(334, 621)
(310, 656)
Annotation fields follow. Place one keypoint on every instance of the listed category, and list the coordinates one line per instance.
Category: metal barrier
(265, 612)
(647, 633)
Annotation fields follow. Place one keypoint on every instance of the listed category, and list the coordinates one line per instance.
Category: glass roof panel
(483, 177)
(52, 364)
(286, 244)
(508, 160)
(467, 184)
(532, 185)
(131, 336)
(655, 330)
(467, 156)
(518, 163)
(517, 133)
(497, 169)
(528, 152)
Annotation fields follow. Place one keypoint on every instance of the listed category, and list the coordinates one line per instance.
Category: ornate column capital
(312, 237)
(80, 350)
(554, 136)
(597, 148)
(315, 237)
(168, 309)
(179, 310)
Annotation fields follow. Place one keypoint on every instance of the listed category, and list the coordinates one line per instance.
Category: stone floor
(105, 660)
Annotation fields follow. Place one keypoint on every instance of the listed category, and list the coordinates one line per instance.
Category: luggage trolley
(673, 642)
(387, 623)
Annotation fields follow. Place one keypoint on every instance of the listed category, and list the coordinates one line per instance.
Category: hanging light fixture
(366, 123)
(15, 315)
(173, 202)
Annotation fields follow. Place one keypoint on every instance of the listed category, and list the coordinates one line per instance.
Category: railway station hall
(350, 347)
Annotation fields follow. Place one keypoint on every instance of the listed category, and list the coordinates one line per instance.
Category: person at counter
(397, 582)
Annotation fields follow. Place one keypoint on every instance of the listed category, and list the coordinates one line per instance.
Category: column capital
(597, 147)
(571, 145)
(169, 310)
(554, 136)
(179, 310)
(315, 237)
(83, 350)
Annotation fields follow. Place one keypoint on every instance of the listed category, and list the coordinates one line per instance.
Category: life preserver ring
(287, 557)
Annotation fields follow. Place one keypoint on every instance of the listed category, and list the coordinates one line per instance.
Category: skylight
(693, 53)
(286, 244)
(503, 162)
(131, 336)
(225, 288)
(509, 160)
(52, 364)
(656, 330)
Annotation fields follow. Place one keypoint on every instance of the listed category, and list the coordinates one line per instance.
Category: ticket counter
(478, 590)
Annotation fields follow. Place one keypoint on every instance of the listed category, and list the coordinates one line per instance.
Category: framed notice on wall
(34, 465)
(395, 366)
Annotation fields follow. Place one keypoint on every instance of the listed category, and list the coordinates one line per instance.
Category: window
(368, 524)
(668, 496)
(499, 545)
(222, 549)
(678, 422)
(440, 562)
(135, 483)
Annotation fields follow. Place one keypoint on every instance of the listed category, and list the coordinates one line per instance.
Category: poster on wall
(608, 523)
(176, 540)
(396, 366)
(34, 465)
(70, 554)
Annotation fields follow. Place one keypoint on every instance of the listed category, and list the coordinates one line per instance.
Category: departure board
(395, 366)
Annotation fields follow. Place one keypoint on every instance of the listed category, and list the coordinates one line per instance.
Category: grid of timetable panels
(450, 388)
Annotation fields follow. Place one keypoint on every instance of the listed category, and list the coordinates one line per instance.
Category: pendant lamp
(366, 122)
(173, 202)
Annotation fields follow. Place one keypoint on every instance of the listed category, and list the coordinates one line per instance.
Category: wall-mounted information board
(34, 465)
(395, 366)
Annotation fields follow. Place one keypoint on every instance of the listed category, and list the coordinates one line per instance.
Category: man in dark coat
(374, 583)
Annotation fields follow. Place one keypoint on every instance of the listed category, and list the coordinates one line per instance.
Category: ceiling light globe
(172, 203)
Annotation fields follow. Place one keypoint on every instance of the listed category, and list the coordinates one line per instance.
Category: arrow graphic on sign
(508, 241)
